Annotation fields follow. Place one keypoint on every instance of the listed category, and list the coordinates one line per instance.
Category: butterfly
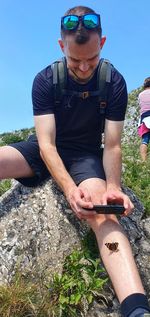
(113, 246)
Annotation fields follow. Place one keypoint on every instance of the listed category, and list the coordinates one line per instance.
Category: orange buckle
(85, 94)
(102, 104)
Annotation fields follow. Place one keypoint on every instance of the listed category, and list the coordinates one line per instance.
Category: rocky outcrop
(38, 227)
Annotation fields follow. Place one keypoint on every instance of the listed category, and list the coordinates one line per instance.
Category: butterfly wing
(113, 246)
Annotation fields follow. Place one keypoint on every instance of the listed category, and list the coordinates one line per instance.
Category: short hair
(147, 82)
(81, 34)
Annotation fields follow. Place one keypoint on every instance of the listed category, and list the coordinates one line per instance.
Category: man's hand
(78, 199)
(118, 197)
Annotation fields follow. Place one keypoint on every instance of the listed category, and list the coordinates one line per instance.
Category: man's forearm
(112, 162)
(57, 169)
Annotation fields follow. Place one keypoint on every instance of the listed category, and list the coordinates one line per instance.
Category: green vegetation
(136, 174)
(4, 186)
(69, 294)
(16, 136)
(7, 138)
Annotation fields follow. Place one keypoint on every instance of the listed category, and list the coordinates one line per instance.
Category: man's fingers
(85, 195)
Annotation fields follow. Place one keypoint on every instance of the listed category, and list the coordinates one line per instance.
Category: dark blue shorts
(146, 138)
(79, 166)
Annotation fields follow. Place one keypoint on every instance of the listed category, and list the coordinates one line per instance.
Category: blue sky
(29, 31)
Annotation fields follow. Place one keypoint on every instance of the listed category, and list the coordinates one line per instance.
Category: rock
(37, 227)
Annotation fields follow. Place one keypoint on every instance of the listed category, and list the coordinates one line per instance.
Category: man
(69, 141)
(144, 127)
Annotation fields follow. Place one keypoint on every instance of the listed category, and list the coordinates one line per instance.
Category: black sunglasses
(89, 21)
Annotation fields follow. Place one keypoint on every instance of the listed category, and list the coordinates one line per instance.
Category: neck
(78, 79)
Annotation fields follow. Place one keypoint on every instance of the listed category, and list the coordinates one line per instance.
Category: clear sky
(29, 31)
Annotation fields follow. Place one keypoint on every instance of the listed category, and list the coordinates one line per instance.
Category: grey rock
(37, 227)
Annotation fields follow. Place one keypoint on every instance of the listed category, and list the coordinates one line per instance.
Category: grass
(136, 174)
(68, 294)
(4, 186)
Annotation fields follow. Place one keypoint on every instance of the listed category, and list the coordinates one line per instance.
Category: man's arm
(112, 162)
(112, 158)
(46, 134)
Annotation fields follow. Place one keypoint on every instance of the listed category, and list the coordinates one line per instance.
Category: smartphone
(108, 209)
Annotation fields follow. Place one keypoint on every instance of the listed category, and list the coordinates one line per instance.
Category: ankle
(132, 303)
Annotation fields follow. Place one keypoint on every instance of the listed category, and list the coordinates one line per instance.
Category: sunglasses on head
(89, 21)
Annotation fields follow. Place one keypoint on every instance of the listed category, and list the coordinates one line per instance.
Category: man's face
(82, 59)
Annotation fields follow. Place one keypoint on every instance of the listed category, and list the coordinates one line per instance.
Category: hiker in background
(68, 147)
(144, 122)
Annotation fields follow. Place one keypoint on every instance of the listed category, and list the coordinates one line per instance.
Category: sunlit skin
(82, 59)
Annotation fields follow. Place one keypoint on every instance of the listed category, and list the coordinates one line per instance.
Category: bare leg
(120, 265)
(143, 151)
(13, 164)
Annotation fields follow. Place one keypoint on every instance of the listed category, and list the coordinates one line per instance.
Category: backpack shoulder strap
(104, 79)
(103, 83)
(59, 70)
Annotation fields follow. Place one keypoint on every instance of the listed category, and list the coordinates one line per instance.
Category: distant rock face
(132, 118)
(37, 226)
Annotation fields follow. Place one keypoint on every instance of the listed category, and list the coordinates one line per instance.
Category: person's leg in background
(143, 151)
(144, 146)
(120, 265)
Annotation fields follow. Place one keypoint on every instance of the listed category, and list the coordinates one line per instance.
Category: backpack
(59, 70)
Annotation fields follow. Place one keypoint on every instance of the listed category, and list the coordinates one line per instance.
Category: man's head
(81, 41)
(81, 33)
(147, 83)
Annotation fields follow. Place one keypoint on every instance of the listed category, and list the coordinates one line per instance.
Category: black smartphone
(108, 209)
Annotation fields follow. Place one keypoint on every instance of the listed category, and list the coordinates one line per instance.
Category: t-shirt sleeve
(42, 95)
(118, 98)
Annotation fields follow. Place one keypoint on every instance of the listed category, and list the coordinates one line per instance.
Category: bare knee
(101, 222)
(96, 188)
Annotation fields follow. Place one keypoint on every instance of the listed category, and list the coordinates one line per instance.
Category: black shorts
(79, 166)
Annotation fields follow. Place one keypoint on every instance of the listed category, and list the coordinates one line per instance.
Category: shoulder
(145, 92)
(42, 92)
(141, 93)
(117, 96)
(118, 87)
(43, 78)
(117, 80)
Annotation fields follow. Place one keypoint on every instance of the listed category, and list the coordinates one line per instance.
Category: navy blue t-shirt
(78, 127)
